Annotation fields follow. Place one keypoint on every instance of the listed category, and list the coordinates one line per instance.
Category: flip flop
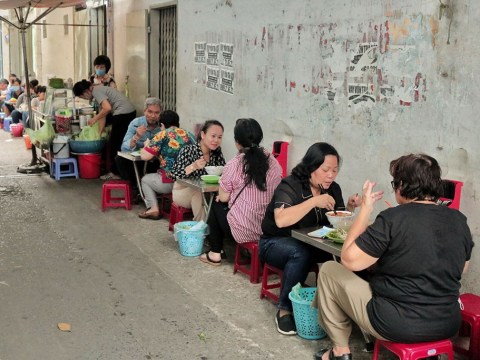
(209, 261)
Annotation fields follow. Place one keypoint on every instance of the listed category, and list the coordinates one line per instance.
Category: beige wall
(57, 49)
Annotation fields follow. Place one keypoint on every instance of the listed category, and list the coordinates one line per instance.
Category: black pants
(119, 129)
(218, 225)
(127, 172)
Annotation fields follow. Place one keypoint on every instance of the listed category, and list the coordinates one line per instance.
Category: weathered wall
(377, 80)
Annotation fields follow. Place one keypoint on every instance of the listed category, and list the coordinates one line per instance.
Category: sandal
(209, 261)
(151, 216)
(319, 354)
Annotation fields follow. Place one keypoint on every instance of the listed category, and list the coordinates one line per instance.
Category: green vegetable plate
(336, 236)
(210, 179)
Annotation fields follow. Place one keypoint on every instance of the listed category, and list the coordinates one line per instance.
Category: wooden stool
(254, 269)
(470, 326)
(56, 169)
(415, 351)
(177, 214)
(109, 201)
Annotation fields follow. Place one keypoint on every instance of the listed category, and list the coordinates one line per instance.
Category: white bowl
(343, 219)
(214, 170)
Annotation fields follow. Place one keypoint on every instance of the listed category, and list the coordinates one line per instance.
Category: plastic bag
(295, 293)
(42, 137)
(90, 133)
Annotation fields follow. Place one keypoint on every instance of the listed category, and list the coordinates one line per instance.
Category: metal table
(324, 244)
(135, 157)
(203, 188)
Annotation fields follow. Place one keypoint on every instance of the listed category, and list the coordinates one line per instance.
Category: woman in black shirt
(301, 200)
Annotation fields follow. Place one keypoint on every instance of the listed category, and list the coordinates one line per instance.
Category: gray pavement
(120, 282)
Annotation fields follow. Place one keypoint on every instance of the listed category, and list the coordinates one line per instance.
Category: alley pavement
(119, 282)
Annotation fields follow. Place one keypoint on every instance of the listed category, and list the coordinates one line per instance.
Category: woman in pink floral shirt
(166, 146)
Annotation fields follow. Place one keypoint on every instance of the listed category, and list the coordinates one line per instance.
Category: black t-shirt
(291, 191)
(422, 250)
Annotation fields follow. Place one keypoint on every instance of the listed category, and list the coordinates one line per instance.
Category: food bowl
(214, 170)
(87, 146)
(342, 220)
(210, 179)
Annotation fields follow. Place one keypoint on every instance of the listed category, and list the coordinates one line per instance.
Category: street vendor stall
(22, 10)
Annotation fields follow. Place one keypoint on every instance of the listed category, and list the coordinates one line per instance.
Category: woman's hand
(91, 121)
(324, 201)
(369, 196)
(199, 164)
(354, 201)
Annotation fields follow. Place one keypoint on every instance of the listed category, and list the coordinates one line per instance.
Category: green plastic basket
(306, 317)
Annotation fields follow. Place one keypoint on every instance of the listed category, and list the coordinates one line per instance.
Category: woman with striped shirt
(246, 187)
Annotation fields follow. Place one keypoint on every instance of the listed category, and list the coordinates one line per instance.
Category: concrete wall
(377, 80)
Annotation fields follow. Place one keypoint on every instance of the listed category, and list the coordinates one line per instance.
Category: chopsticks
(323, 191)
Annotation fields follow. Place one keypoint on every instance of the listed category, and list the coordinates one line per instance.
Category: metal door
(163, 55)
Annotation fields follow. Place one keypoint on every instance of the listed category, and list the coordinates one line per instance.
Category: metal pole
(23, 30)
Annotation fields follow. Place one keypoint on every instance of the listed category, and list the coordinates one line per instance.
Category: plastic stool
(266, 287)
(109, 201)
(254, 269)
(166, 204)
(470, 326)
(280, 152)
(415, 351)
(56, 168)
(6, 123)
(177, 214)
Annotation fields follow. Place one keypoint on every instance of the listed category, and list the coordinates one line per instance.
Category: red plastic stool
(109, 201)
(415, 351)
(166, 204)
(177, 214)
(280, 152)
(254, 269)
(470, 326)
(266, 286)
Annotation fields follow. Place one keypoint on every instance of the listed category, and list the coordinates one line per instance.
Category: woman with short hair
(111, 102)
(416, 253)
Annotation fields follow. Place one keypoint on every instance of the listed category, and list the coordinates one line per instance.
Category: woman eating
(191, 162)
(419, 251)
(301, 200)
(111, 102)
(165, 146)
(246, 188)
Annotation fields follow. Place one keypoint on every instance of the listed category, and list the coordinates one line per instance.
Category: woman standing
(112, 102)
(420, 250)
(191, 162)
(301, 200)
(246, 188)
(102, 66)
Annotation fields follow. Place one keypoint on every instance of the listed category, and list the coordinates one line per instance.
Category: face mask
(100, 72)
(15, 88)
